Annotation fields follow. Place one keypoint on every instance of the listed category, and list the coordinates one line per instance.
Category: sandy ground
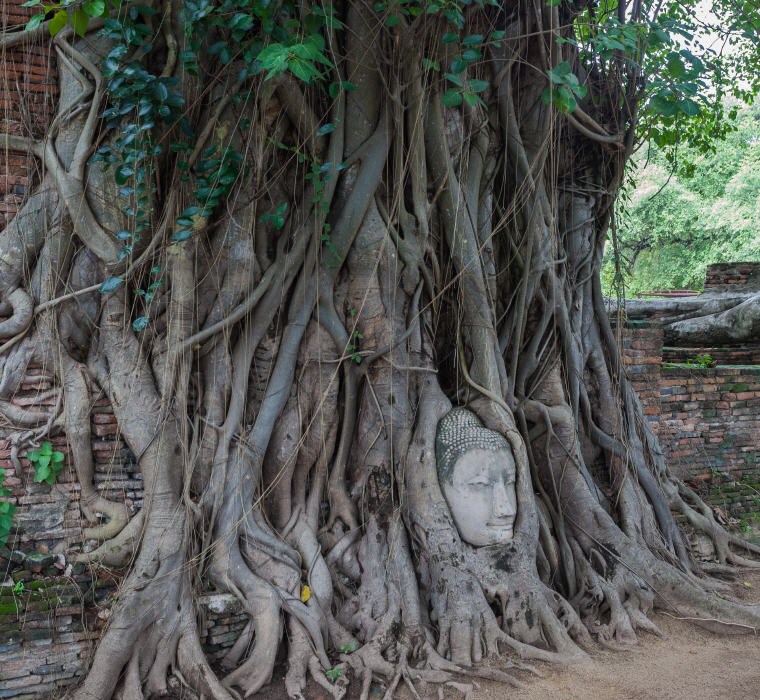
(689, 664)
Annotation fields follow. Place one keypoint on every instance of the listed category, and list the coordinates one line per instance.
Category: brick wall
(739, 354)
(707, 418)
(738, 274)
(642, 355)
(28, 94)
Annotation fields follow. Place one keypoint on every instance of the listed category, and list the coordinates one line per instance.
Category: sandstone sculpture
(476, 470)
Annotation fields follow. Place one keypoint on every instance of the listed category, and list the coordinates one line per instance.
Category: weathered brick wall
(739, 354)
(642, 355)
(28, 93)
(52, 608)
(709, 419)
(721, 275)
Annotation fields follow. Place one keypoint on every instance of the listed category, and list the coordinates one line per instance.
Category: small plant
(333, 674)
(347, 648)
(353, 347)
(7, 509)
(47, 463)
(18, 588)
(700, 361)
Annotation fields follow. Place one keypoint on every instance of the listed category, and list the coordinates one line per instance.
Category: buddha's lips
(500, 523)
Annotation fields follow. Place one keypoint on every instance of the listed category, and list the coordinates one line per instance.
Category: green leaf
(94, 8)
(42, 474)
(427, 64)
(452, 97)
(58, 457)
(33, 456)
(110, 284)
(676, 67)
(325, 129)
(473, 39)
(59, 21)
(449, 38)
(478, 85)
(182, 235)
(44, 461)
(560, 73)
(139, 323)
(34, 22)
(303, 70)
(471, 55)
(122, 174)
(458, 65)
(79, 20)
(689, 107)
(160, 91)
(185, 220)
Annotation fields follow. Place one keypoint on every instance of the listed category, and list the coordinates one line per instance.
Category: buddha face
(480, 492)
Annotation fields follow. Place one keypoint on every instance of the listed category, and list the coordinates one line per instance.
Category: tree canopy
(682, 216)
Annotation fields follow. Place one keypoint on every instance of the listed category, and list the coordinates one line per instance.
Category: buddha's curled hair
(459, 431)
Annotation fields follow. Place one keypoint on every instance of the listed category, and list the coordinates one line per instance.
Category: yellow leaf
(197, 346)
(305, 593)
(747, 584)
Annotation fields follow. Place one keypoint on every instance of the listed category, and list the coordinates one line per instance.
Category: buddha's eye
(479, 482)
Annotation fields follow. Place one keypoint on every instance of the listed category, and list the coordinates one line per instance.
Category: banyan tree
(336, 268)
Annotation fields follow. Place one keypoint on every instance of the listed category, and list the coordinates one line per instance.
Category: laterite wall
(707, 418)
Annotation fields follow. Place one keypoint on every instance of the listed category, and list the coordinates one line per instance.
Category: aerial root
(118, 551)
(700, 517)
(196, 672)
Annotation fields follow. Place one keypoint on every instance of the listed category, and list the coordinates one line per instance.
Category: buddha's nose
(502, 502)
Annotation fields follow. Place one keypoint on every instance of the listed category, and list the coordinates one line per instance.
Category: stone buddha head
(476, 470)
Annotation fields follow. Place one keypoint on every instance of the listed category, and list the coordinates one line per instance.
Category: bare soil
(689, 664)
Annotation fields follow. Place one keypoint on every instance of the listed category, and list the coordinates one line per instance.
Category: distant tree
(703, 208)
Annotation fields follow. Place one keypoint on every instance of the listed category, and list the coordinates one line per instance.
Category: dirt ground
(689, 664)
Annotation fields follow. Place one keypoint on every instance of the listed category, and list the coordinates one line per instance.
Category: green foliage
(79, 17)
(47, 463)
(277, 217)
(353, 347)
(681, 219)
(7, 509)
(333, 674)
(700, 361)
(564, 88)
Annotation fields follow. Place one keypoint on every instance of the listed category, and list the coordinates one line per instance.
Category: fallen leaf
(305, 593)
